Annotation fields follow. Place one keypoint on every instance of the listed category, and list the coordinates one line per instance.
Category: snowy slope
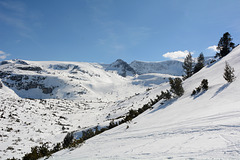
(172, 67)
(64, 80)
(83, 81)
(31, 122)
(205, 126)
(70, 96)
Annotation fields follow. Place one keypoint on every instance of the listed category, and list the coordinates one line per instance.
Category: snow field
(205, 126)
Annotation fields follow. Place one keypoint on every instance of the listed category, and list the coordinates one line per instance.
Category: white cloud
(213, 48)
(176, 54)
(3, 55)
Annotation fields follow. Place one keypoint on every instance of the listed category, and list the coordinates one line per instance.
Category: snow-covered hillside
(204, 126)
(172, 67)
(63, 80)
(81, 81)
(42, 101)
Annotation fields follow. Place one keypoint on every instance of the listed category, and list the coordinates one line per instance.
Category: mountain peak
(122, 68)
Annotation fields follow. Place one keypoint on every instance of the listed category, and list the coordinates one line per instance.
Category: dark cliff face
(122, 68)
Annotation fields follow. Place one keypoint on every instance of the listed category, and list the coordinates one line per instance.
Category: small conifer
(228, 73)
(176, 86)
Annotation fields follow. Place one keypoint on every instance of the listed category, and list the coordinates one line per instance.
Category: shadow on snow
(220, 90)
(198, 95)
(164, 105)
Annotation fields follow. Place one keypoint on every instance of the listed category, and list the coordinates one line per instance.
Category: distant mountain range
(74, 80)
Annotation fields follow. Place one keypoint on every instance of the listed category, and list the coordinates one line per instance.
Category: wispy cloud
(213, 48)
(13, 5)
(3, 55)
(176, 54)
(15, 15)
(13, 21)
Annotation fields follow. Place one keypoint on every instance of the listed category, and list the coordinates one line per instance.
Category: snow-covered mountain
(122, 68)
(172, 67)
(81, 81)
(203, 126)
(42, 101)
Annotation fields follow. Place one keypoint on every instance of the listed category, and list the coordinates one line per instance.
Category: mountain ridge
(74, 80)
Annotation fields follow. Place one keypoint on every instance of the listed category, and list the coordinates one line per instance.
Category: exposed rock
(18, 61)
(22, 82)
(122, 68)
(5, 73)
(1, 85)
(47, 90)
(30, 68)
(60, 66)
(16, 77)
(4, 62)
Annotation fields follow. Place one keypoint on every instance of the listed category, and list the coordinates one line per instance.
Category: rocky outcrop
(122, 68)
(30, 68)
(27, 82)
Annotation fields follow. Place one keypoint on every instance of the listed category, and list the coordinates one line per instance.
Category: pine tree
(166, 95)
(225, 45)
(68, 139)
(187, 66)
(200, 63)
(228, 73)
(176, 86)
(204, 84)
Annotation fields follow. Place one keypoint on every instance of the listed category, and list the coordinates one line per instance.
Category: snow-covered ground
(204, 126)
(42, 101)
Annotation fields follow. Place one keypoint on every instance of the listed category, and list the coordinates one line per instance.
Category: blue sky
(105, 30)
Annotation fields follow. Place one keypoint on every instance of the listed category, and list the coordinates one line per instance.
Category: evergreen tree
(176, 86)
(166, 95)
(200, 63)
(228, 73)
(225, 45)
(68, 139)
(187, 66)
(112, 124)
(204, 84)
